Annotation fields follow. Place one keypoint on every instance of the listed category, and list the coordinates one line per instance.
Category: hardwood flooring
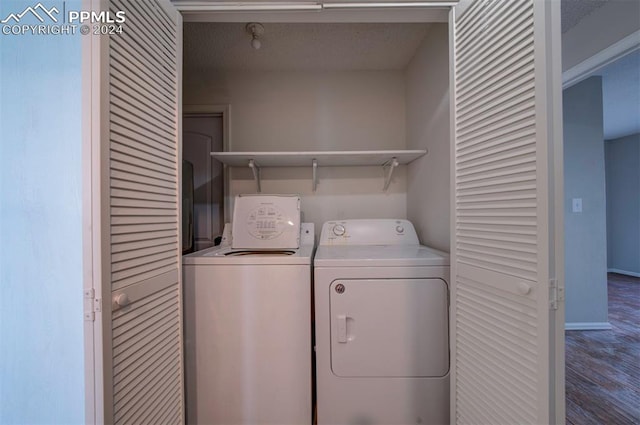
(603, 367)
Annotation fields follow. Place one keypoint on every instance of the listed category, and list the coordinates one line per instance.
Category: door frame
(93, 154)
(223, 109)
(94, 165)
(586, 68)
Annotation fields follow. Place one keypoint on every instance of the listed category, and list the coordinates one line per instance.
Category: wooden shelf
(387, 159)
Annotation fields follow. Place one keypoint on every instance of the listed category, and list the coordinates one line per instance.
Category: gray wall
(427, 97)
(41, 318)
(585, 232)
(622, 158)
(309, 111)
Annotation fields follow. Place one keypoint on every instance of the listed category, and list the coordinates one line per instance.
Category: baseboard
(587, 326)
(624, 272)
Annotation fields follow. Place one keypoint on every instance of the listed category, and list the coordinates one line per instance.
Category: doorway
(602, 305)
(202, 134)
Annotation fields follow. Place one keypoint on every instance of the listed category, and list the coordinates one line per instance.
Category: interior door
(507, 321)
(142, 355)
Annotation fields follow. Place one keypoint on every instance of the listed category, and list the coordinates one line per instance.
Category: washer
(248, 319)
(381, 310)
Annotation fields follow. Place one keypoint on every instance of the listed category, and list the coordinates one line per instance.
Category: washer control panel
(266, 222)
(368, 232)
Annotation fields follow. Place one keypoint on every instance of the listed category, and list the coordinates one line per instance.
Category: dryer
(247, 309)
(381, 322)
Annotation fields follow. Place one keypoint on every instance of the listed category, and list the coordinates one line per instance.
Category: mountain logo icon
(38, 11)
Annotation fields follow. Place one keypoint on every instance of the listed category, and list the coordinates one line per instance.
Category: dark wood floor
(603, 367)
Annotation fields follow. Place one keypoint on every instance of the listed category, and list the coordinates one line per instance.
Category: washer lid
(266, 222)
(225, 255)
(379, 256)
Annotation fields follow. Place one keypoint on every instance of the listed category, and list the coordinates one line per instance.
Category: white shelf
(323, 158)
(387, 159)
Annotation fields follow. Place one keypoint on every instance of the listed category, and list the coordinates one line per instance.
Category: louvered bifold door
(145, 378)
(501, 266)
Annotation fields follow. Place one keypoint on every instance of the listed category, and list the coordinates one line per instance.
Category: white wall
(41, 318)
(302, 111)
(585, 232)
(427, 97)
(623, 204)
(599, 30)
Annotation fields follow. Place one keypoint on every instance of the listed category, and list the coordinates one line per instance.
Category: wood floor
(603, 367)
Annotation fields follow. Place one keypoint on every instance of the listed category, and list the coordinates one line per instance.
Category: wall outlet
(576, 205)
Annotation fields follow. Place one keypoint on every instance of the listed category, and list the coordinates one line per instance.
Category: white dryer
(381, 320)
(247, 316)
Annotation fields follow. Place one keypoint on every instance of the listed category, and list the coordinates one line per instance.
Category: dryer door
(389, 328)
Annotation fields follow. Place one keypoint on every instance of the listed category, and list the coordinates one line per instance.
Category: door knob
(524, 288)
(120, 300)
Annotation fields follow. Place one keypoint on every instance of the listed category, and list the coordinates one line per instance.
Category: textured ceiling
(294, 46)
(572, 11)
(322, 46)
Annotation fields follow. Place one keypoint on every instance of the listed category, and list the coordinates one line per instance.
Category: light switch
(577, 205)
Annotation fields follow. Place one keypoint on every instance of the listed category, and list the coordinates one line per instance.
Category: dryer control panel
(369, 232)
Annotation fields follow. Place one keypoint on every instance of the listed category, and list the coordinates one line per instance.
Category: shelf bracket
(314, 167)
(392, 164)
(256, 173)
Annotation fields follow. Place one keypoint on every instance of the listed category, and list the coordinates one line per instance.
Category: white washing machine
(381, 311)
(247, 319)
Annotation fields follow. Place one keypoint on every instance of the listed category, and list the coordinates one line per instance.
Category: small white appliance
(381, 320)
(247, 323)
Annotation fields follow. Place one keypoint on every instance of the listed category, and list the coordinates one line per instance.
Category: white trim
(601, 59)
(624, 272)
(557, 389)
(93, 95)
(453, 14)
(372, 5)
(587, 326)
(462, 7)
(101, 223)
(206, 6)
(87, 233)
(225, 110)
(179, 114)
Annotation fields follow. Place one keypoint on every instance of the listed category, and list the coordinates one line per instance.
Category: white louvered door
(506, 123)
(142, 317)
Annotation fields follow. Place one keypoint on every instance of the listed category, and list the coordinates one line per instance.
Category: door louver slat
(139, 119)
(129, 73)
(132, 83)
(126, 102)
(140, 175)
(487, 350)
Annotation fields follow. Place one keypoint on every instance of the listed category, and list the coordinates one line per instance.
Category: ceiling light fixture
(256, 30)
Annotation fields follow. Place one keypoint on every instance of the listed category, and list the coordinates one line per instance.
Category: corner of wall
(427, 100)
(584, 178)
